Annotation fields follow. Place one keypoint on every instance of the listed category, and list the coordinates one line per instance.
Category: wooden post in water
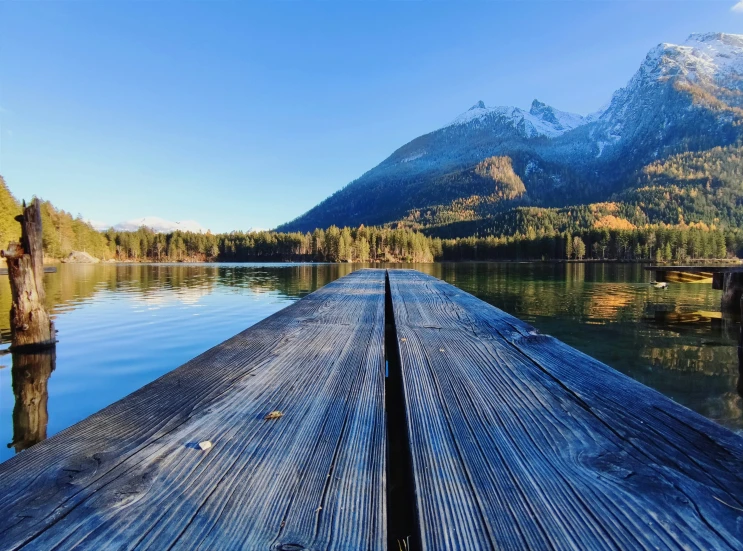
(732, 291)
(30, 324)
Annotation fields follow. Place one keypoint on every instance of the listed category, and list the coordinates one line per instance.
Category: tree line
(656, 243)
(371, 244)
(64, 233)
(332, 245)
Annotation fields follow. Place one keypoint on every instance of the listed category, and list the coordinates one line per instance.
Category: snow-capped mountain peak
(702, 57)
(540, 120)
(560, 120)
(160, 225)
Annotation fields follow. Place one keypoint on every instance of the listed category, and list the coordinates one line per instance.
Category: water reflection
(30, 373)
(121, 326)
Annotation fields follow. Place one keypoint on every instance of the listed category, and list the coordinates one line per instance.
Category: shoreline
(701, 262)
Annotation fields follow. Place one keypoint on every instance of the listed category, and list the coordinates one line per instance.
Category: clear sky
(241, 115)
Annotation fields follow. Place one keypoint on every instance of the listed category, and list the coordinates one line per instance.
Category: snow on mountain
(712, 58)
(703, 55)
(540, 120)
(160, 225)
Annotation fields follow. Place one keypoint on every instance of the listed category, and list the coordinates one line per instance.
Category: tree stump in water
(30, 324)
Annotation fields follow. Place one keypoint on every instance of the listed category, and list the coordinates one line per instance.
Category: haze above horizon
(244, 116)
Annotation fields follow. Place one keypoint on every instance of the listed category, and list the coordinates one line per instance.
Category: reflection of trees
(30, 374)
(75, 284)
(602, 300)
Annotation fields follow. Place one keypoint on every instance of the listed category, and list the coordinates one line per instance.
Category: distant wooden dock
(728, 279)
(508, 439)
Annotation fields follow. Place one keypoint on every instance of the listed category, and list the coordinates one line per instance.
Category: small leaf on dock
(273, 415)
(205, 445)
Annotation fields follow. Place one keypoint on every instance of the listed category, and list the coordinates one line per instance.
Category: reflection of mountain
(31, 374)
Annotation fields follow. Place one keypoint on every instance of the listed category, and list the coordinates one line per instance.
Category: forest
(64, 233)
(652, 243)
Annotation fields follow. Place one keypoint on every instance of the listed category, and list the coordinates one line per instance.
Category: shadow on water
(30, 373)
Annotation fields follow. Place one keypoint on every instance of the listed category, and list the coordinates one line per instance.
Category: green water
(121, 326)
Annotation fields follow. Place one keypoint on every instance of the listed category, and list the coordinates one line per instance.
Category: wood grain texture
(519, 441)
(132, 477)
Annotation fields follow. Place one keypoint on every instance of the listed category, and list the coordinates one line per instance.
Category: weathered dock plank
(696, 269)
(520, 442)
(131, 476)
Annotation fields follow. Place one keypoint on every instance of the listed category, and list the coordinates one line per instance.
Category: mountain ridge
(686, 97)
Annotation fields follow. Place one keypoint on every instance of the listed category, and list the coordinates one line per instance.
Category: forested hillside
(690, 188)
(63, 233)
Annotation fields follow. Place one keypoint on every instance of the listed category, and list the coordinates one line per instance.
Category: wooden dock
(509, 439)
(728, 279)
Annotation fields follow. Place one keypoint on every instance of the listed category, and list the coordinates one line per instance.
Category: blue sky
(243, 115)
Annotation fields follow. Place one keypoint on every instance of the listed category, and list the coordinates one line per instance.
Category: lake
(123, 325)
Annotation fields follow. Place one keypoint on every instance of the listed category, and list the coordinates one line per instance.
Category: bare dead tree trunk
(30, 324)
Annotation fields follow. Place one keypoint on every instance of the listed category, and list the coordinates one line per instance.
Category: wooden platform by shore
(485, 435)
(728, 279)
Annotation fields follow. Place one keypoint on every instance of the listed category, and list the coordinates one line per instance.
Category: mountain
(683, 98)
(159, 225)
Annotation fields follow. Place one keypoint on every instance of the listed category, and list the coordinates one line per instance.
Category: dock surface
(132, 475)
(521, 442)
(510, 440)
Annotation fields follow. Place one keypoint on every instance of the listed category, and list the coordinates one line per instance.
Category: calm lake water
(121, 326)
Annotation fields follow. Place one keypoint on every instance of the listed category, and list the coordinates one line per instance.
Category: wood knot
(290, 547)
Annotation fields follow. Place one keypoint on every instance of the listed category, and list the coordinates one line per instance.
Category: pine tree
(363, 249)
(579, 248)
(721, 247)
